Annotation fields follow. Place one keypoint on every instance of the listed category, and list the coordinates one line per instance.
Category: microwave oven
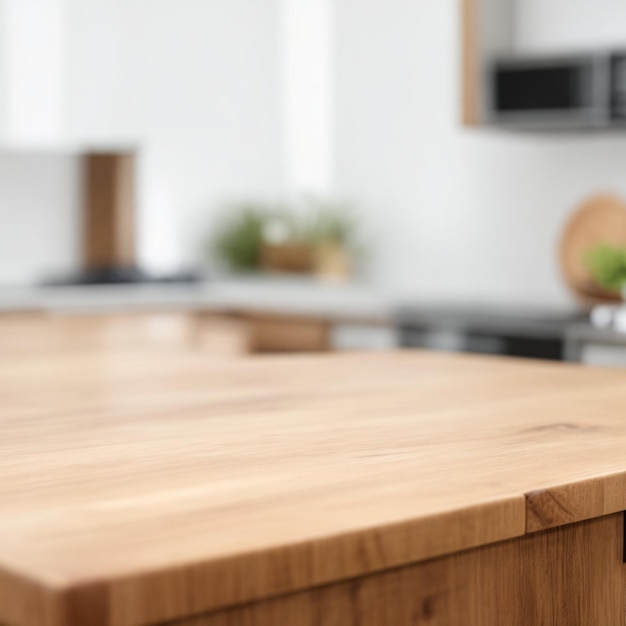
(559, 92)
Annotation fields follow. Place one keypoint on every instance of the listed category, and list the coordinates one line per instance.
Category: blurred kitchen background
(302, 175)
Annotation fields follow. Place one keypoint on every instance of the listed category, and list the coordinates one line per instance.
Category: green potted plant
(319, 237)
(238, 240)
(258, 236)
(332, 233)
(607, 265)
(285, 247)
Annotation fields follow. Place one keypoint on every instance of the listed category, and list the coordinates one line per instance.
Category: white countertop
(281, 295)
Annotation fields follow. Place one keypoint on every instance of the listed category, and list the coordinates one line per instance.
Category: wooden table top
(137, 488)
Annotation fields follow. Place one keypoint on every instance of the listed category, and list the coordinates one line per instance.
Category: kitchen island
(388, 489)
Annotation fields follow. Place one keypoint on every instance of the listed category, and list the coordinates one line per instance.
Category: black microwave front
(576, 91)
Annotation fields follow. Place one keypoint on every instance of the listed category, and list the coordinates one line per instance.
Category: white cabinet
(602, 355)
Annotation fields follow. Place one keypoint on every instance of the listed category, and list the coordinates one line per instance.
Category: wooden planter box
(288, 258)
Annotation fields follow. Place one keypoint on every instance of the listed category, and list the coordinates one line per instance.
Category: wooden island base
(572, 575)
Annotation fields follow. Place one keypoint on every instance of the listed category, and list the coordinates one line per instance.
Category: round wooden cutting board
(601, 219)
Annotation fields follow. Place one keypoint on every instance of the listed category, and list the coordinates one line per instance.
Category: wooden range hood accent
(109, 210)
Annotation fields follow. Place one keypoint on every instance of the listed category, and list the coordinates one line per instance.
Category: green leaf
(607, 265)
(239, 238)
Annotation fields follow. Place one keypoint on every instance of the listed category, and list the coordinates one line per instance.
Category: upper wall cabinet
(544, 64)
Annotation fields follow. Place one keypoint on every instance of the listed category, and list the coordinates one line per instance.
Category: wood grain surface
(548, 579)
(258, 333)
(470, 62)
(109, 194)
(36, 335)
(141, 486)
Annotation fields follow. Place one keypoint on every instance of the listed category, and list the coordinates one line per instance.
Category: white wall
(3, 68)
(195, 83)
(543, 25)
(39, 193)
(39, 215)
(192, 83)
(456, 214)
(307, 31)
